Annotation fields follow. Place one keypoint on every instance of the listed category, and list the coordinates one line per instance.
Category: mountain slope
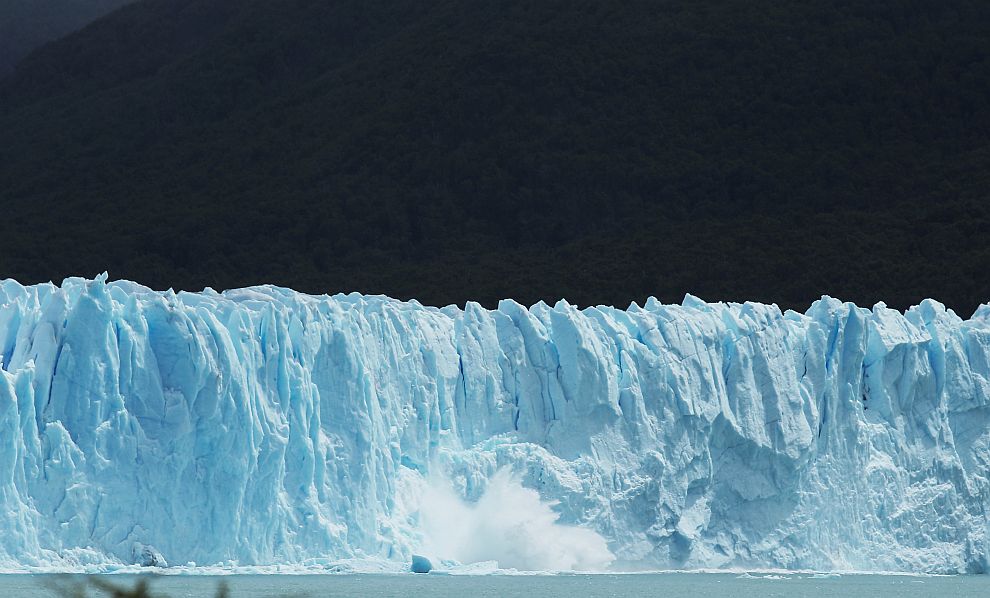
(27, 24)
(457, 150)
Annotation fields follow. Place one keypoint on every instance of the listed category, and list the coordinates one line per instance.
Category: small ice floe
(147, 556)
(421, 564)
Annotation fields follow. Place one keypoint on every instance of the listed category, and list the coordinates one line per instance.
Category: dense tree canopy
(771, 150)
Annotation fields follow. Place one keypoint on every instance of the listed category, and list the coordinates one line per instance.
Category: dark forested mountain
(769, 150)
(27, 24)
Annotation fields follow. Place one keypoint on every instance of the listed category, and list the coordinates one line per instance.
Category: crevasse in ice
(266, 426)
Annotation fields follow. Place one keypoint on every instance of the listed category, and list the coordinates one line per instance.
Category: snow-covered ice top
(265, 426)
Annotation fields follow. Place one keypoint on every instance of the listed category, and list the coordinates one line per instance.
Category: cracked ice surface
(265, 426)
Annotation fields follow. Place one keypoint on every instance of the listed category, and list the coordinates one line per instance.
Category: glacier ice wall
(266, 426)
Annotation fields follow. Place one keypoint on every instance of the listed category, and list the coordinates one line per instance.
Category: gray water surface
(691, 585)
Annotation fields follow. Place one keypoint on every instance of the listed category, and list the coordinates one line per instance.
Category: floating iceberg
(262, 426)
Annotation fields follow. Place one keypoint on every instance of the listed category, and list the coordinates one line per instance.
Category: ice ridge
(261, 426)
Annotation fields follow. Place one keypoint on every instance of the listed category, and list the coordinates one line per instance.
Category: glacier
(263, 426)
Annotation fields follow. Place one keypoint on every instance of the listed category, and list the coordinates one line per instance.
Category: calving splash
(262, 427)
(508, 525)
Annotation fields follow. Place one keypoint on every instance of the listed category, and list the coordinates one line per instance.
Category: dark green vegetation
(770, 150)
(27, 24)
(70, 587)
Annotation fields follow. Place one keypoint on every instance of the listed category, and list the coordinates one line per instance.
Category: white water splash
(509, 524)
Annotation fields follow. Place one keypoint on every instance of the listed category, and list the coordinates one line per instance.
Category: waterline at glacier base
(264, 427)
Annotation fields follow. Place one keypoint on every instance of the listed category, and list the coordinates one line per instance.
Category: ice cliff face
(262, 426)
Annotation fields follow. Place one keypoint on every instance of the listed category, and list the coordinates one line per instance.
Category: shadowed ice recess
(262, 426)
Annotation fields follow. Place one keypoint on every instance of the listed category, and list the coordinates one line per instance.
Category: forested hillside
(768, 150)
(27, 24)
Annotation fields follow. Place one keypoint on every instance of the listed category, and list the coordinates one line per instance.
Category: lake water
(694, 585)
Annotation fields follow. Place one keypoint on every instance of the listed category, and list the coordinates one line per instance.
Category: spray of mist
(508, 524)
